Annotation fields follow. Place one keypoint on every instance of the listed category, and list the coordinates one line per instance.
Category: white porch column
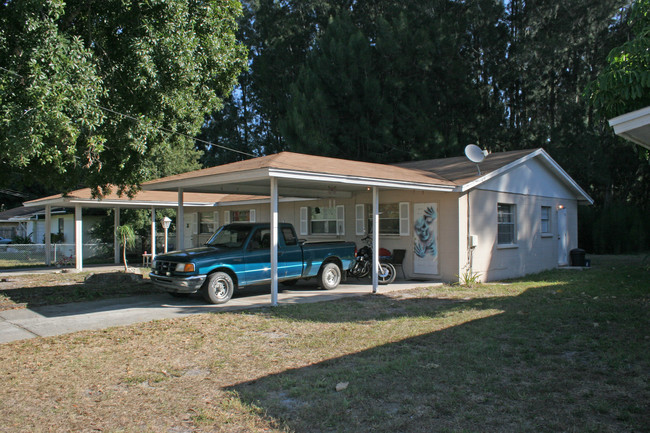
(116, 239)
(78, 241)
(153, 233)
(48, 239)
(274, 241)
(375, 239)
(180, 222)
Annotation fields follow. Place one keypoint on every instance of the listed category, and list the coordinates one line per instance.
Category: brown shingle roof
(319, 165)
(460, 170)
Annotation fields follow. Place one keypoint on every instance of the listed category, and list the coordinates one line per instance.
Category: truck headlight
(185, 267)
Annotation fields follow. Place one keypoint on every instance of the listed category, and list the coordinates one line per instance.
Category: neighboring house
(633, 126)
(519, 216)
(30, 222)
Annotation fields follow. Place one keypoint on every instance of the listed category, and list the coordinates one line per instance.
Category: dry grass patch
(561, 351)
(34, 290)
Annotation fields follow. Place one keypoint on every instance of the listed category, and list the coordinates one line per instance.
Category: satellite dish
(474, 153)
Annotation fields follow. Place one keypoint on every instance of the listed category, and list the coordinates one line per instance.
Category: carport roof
(143, 199)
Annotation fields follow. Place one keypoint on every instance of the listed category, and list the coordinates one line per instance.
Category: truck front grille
(163, 267)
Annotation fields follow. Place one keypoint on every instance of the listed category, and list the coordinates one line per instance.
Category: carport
(288, 174)
(152, 200)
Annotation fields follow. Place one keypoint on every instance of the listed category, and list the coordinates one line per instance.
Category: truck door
(290, 256)
(257, 257)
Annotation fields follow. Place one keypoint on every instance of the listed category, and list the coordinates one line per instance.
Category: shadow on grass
(95, 286)
(568, 355)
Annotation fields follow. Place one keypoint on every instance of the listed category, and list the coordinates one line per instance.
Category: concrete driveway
(52, 320)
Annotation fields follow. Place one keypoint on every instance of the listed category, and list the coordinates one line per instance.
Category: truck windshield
(229, 237)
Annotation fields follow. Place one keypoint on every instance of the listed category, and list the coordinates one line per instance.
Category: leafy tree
(69, 68)
(624, 84)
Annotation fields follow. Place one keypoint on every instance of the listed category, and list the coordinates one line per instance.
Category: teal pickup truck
(238, 255)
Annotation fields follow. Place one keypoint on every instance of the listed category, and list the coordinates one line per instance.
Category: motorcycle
(362, 266)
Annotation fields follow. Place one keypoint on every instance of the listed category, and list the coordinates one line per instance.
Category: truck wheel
(218, 288)
(329, 276)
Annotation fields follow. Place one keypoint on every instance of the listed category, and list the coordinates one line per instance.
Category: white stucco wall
(529, 187)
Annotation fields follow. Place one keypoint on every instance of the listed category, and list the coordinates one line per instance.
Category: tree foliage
(623, 85)
(70, 68)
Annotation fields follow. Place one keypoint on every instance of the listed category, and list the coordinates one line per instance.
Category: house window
(61, 225)
(322, 220)
(506, 221)
(238, 216)
(206, 222)
(546, 219)
(389, 218)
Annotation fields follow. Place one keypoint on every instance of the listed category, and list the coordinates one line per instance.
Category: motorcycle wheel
(387, 273)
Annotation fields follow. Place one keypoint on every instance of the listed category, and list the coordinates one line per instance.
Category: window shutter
(216, 220)
(340, 220)
(304, 224)
(195, 223)
(252, 215)
(404, 222)
(359, 216)
(226, 217)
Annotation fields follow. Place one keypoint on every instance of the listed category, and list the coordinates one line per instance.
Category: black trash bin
(578, 257)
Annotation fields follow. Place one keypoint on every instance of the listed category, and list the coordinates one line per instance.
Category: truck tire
(329, 276)
(218, 288)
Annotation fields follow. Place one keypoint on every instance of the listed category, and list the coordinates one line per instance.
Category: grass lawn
(38, 289)
(558, 351)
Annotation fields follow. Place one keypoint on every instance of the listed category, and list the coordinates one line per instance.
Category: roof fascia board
(564, 176)
(223, 178)
(356, 180)
(632, 120)
(70, 202)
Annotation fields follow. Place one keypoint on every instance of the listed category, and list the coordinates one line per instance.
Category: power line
(160, 128)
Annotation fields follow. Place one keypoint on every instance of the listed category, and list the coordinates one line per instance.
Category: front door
(563, 238)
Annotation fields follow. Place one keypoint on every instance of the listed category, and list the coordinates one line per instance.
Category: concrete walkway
(66, 318)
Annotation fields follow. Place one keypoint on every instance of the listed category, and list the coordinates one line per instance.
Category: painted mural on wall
(425, 241)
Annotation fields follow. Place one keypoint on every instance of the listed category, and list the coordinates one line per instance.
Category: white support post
(153, 233)
(48, 238)
(180, 222)
(274, 241)
(116, 239)
(78, 241)
(375, 239)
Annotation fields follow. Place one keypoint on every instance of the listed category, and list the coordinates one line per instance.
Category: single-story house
(517, 215)
(514, 213)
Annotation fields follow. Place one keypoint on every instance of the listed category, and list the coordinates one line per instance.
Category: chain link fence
(24, 255)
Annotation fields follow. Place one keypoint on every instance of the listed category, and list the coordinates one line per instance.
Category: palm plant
(127, 238)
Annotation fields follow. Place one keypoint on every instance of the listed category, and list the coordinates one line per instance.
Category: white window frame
(306, 221)
(548, 230)
(512, 223)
